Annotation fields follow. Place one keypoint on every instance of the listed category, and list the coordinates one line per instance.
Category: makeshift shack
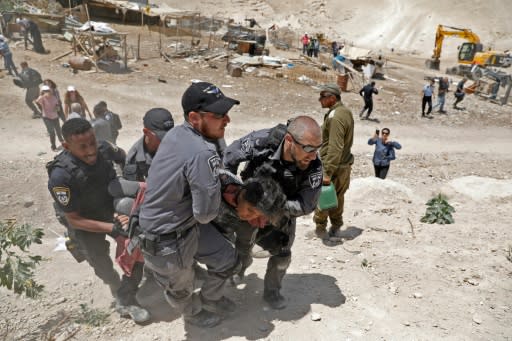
(47, 23)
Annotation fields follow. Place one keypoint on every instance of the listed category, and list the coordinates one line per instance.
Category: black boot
(274, 299)
(203, 319)
(222, 306)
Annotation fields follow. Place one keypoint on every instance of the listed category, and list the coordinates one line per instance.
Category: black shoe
(34, 116)
(274, 299)
(222, 306)
(203, 319)
(135, 312)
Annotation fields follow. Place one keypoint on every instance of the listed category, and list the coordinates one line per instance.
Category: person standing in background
(428, 93)
(49, 105)
(384, 152)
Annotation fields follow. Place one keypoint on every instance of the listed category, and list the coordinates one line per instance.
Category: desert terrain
(391, 277)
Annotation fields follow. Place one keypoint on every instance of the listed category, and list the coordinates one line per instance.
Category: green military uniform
(337, 159)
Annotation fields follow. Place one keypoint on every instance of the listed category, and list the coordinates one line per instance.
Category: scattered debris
(316, 317)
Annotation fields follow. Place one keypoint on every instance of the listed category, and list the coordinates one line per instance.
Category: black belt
(174, 235)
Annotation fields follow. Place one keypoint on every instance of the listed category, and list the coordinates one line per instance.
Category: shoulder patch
(315, 179)
(246, 146)
(63, 194)
(214, 164)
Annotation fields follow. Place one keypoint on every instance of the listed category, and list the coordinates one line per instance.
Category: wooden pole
(138, 47)
(211, 33)
(91, 38)
(125, 48)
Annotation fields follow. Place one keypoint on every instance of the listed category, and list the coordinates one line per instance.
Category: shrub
(439, 211)
(17, 266)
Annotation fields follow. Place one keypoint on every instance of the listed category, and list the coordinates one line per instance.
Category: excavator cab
(467, 52)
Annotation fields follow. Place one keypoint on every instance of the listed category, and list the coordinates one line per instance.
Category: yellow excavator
(470, 52)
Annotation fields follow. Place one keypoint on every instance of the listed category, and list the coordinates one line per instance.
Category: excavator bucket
(432, 64)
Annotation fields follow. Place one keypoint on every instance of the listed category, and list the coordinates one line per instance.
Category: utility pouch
(149, 243)
(74, 249)
(134, 242)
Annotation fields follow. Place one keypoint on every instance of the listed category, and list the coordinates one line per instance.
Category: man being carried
(292, 151)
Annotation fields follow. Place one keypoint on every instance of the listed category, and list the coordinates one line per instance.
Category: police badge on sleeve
(63, 195)
(315, 179)
(214, 163)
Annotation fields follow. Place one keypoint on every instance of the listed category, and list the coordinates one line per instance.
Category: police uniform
(182, 197)
(78, 187)
(138, 161)
(302, 189)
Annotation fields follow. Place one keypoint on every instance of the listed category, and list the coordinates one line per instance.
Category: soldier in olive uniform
(292, 152)
(336, 155)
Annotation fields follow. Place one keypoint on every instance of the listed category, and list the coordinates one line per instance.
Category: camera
(377, 132)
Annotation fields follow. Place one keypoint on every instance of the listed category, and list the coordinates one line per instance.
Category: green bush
(439, 211)
(17, 266)
(91, 316)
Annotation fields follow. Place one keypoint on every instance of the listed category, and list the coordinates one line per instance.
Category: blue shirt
(384, 153)
(428, 90)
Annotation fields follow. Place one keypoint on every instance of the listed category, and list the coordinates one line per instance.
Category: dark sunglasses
(215, 115)
(306, 147)
(384, 133)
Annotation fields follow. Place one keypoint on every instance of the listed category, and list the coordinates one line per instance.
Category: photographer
(384, 152)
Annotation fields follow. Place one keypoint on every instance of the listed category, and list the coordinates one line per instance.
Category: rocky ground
(391, 277)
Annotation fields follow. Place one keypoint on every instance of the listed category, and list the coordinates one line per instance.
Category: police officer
(182, 198)
(78, 182)
(157, 122)
(292, 152)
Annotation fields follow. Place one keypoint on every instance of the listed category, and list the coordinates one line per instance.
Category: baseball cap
(45, 88)
(332, 88)
(71, 88)
(159, 121)
(204, 96)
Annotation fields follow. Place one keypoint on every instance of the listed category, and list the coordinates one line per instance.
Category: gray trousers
(276, 241)
(31, 95)
(172, 267)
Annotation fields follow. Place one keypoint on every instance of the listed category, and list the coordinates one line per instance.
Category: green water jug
(328, 198)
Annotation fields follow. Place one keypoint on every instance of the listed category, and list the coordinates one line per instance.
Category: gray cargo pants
(31, 95)
(278, 242)
(172, 266)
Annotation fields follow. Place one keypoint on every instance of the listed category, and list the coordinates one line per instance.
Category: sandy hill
(402, 25)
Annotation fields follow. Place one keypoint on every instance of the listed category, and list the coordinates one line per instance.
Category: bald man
(292, 151)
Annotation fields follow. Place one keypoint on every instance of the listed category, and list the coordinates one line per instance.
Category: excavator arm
(449, 31)
(468, 48)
